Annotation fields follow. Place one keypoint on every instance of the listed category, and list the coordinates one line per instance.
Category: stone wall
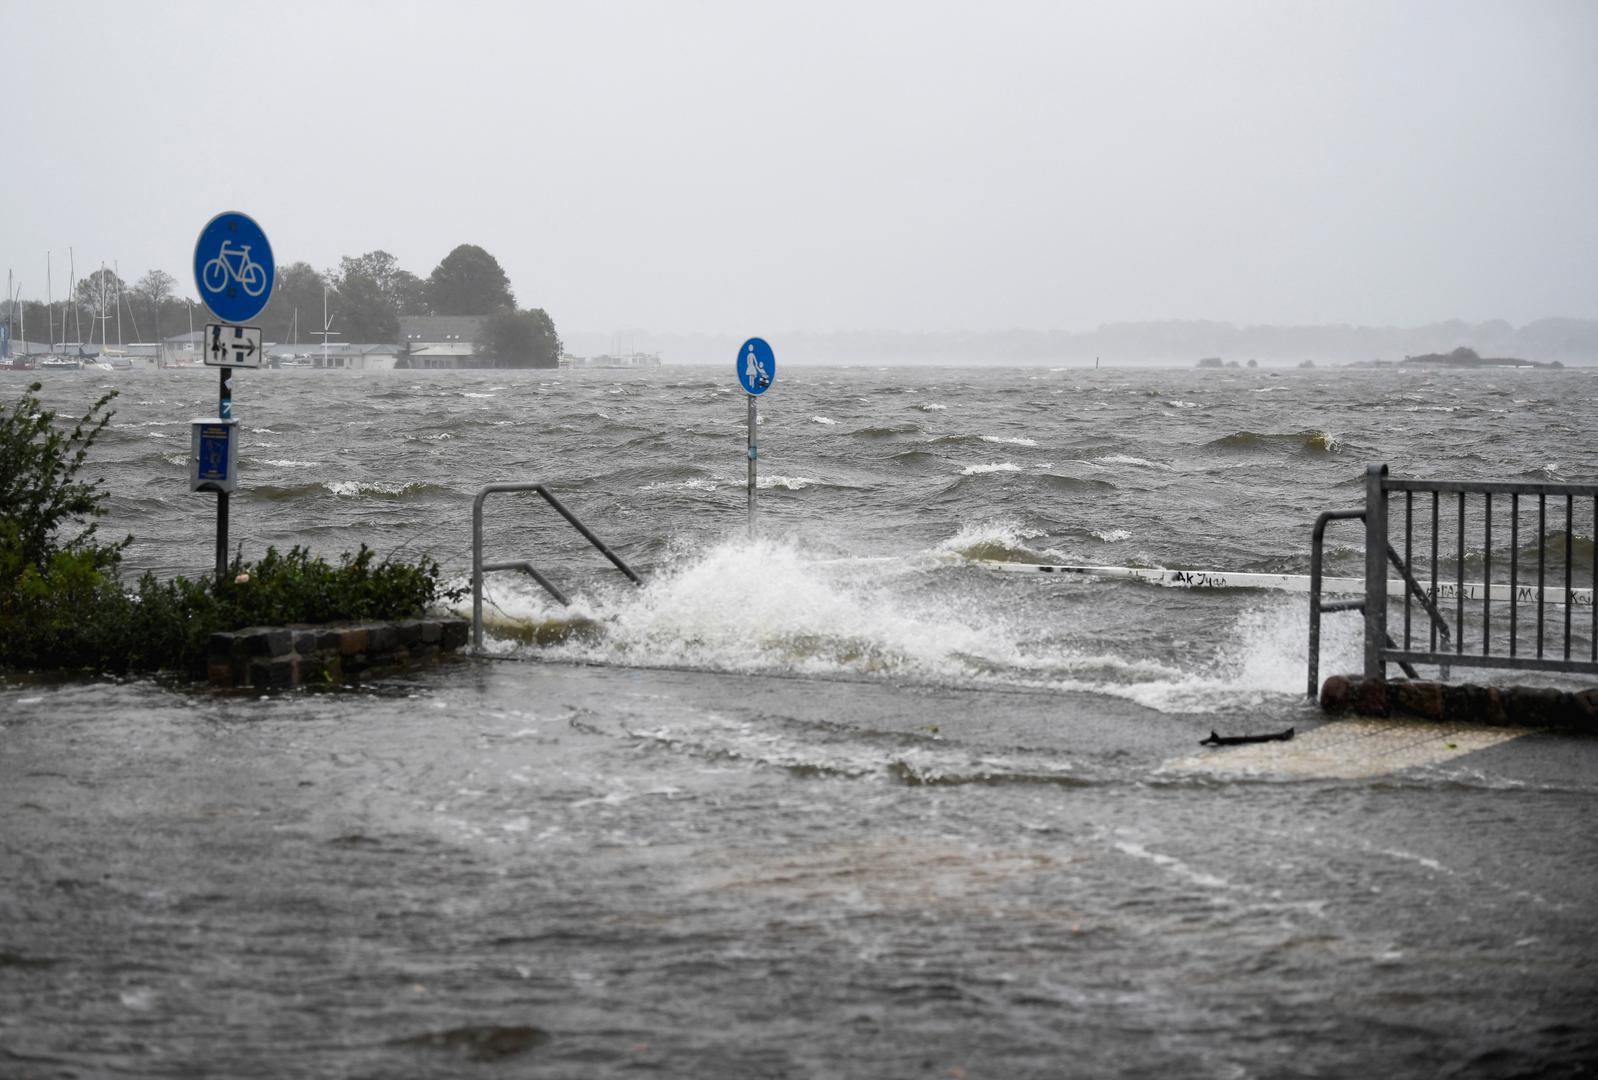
(283, 657)
(1530, 706)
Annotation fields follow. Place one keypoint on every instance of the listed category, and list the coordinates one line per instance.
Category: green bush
(39, 490)
(63, 604)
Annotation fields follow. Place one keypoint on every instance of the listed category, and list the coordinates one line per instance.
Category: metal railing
(1477, 634)
(479, 567)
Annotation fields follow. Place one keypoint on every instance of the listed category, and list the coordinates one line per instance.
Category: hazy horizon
(713, 168)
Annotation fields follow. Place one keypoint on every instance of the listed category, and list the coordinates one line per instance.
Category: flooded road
(542, 869)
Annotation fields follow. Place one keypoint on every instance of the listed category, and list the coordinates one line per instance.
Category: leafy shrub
(39, 489)
(63, 604)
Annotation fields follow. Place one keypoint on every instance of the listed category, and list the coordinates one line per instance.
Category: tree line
(365, 295)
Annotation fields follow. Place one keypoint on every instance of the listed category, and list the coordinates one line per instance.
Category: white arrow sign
(232, 346)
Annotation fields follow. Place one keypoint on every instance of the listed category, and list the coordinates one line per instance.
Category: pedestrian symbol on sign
(757, 366)
(754, 370)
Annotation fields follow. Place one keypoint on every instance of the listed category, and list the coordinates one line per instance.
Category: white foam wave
(1172, 864)
(763, 606)
(787, 483)
(1128, 459)
(1017, 441)
(996, 467)
(286, 463)
(931, 406)
(823, 420)
(1007, 533)
(1111, 536)
(1264, 656)
(697, 483)
(350, 488)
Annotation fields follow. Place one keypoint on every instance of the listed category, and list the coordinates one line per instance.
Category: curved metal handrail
(479, 567)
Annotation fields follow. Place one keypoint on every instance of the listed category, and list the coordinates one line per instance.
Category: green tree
(151, 293)
(410, 293)
(405, 292)
(362, 311)
(98, 294)
(521, 339)
(296, 305)
(32, 323)
(178, 313)
(469, 281)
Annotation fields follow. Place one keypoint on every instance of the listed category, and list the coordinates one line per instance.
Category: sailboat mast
(115, 271)
(102, 315)
(49, 300)
(72, 288)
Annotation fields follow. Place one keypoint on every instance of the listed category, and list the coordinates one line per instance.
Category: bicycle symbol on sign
(235, 264)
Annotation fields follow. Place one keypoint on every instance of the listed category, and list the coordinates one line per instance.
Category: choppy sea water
(876, 489)
(837, 801)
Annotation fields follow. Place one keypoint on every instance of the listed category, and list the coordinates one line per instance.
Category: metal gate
(1530, 607)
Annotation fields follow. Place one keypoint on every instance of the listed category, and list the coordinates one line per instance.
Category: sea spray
(768, 606)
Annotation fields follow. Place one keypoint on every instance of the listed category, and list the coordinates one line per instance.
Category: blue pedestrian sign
(757, 366)
(233, 267)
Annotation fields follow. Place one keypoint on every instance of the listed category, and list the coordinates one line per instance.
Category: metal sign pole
(757, 368)
(224, 409)
(753, 453)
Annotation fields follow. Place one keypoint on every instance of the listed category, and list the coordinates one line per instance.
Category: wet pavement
(555, 870)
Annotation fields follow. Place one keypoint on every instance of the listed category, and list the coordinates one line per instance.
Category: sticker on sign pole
(757, 366)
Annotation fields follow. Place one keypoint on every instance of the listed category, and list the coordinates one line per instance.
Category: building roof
(441, 328)
(341, 348)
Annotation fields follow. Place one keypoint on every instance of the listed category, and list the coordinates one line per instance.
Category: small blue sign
(757, 366)
(214, 456)
(233, 267)
(214, 452)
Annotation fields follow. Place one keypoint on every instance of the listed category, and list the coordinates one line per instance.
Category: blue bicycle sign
(233, 267)
(236, 265)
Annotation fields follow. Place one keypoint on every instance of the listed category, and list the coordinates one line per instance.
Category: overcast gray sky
(761, 167)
